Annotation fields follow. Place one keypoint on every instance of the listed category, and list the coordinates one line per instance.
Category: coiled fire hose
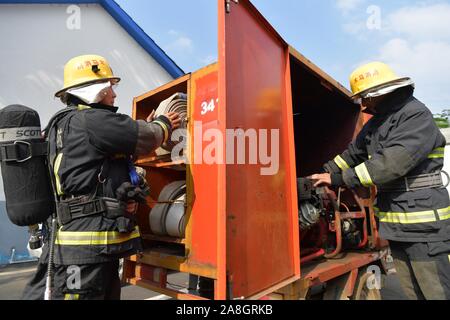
(167, 218)
(176, 103)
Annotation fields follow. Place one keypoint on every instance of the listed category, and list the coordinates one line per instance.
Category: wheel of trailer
(363, 291)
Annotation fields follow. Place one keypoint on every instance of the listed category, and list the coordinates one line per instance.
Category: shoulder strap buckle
(30, 151)
(11, 152)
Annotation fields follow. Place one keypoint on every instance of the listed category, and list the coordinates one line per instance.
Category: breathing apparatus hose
(53, 230)
(49, 282)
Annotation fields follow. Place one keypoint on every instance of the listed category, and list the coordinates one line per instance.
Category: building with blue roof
(39, 37)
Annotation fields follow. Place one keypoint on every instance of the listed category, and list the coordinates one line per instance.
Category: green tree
(442, 119)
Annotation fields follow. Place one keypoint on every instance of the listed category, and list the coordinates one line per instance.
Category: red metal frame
(331, 269)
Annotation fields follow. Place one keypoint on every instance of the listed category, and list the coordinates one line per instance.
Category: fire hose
(167, 218)
(176, 103)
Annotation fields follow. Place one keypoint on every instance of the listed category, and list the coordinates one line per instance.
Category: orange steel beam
(291, 169)
(332, 269)
(220, 288)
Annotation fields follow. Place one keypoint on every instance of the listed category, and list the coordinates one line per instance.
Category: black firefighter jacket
(401, 140)
(84, 141)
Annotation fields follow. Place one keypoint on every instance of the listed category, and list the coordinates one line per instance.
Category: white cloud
(422, 22)
(356, 28)
(415, 41)
(181, 43)
(184, 43)
(346, 6)
(421, 49)
(427, 62)
(208, 60)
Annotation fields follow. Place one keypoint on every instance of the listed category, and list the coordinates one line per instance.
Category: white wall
(2, 192)
(36, 43)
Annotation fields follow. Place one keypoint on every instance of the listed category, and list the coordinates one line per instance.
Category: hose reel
(176, 103)
(168, 217)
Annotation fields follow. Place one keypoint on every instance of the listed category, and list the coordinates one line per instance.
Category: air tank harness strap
(22, 151)
(85, 206)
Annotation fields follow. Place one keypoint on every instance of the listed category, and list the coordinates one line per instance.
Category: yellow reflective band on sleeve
(56, 167)
(341, 163)
(66, 238)
(72, 297)
(165, 129)
(364, 175)
(438, 153)
(412, 217)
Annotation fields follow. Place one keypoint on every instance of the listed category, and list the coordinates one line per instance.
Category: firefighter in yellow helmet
(91, 148)
(401, 152)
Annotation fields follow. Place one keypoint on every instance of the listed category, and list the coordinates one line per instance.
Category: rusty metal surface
(262, 230)
(321, 272)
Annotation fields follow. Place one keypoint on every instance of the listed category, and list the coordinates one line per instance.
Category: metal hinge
(228, 4)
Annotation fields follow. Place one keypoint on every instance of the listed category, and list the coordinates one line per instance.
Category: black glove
(125, 224)
(128, 192)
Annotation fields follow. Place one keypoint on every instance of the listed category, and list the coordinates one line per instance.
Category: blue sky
(337, 35)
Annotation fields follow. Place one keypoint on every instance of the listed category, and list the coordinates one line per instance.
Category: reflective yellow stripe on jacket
(437, 153)
(364, 175)
(341, 163)
(165, 129)
(413, 217)
(82, 107)
(444, 214)
(86, 238)
(56, 167)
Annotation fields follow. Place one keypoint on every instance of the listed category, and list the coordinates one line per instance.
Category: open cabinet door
(262, 237)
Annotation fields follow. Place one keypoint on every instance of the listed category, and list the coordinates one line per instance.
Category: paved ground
(14, 278)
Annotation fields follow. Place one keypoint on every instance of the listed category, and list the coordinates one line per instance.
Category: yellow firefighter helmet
(84, 70)
(372, 76)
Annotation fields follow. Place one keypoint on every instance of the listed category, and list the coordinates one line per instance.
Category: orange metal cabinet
(242, 227)
(202, 252)
(240, 224)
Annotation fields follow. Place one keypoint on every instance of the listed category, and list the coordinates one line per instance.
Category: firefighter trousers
(77, 282)
(423, 269)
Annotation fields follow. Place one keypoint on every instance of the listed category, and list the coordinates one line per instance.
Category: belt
(85, 206)
(414, 183)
